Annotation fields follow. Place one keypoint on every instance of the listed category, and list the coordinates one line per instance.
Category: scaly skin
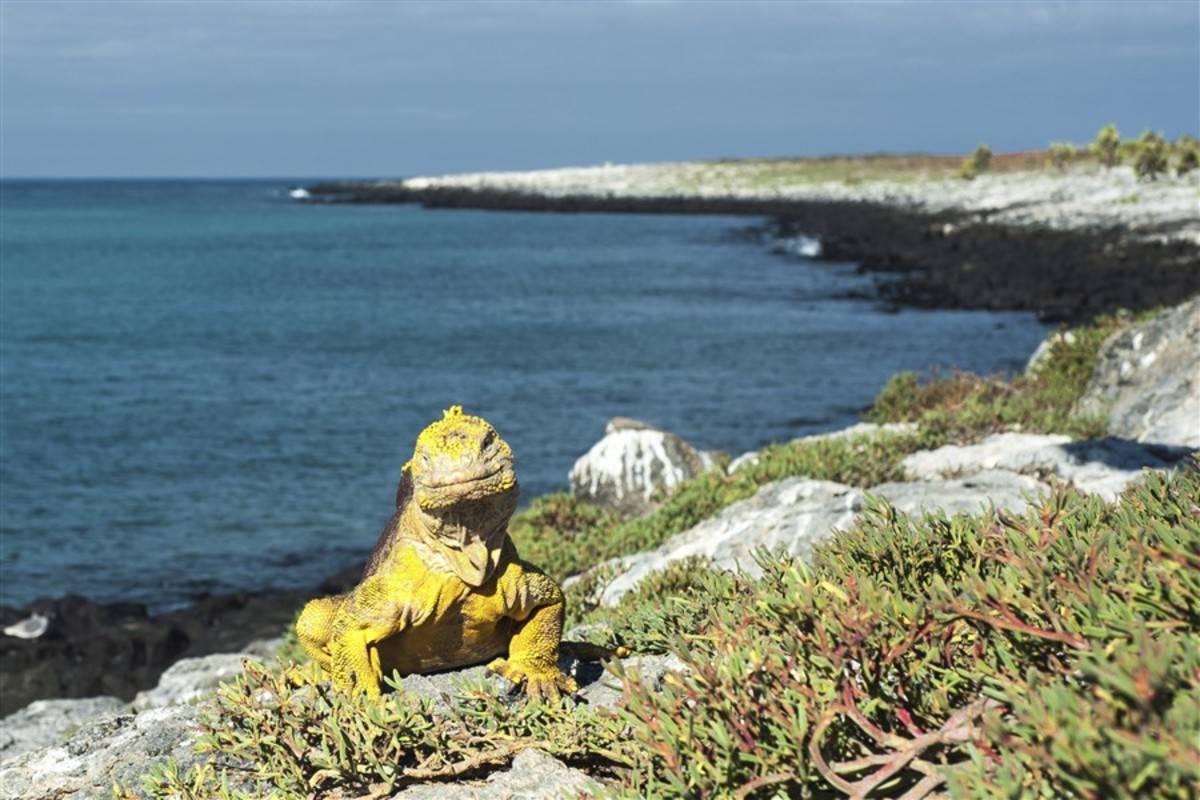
(444, 587)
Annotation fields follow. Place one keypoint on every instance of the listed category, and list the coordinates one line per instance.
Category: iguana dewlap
(444, 587)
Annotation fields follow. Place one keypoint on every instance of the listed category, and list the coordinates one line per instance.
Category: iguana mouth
(466, 487)
(468, 481)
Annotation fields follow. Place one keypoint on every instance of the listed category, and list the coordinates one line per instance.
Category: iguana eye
(488, 439)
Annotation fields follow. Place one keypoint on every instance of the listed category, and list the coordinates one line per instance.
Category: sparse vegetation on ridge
(1060, 154)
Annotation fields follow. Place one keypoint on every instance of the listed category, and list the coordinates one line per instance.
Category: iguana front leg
(533, 650)
(369, 618)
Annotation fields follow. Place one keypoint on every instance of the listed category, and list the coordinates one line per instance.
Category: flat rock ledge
(1094, 466)
(1005, 471)
(77, 748)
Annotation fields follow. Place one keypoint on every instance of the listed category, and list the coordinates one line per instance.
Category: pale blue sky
(261, 88)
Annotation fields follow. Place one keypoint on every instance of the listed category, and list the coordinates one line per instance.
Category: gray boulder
(791, 514)
(114, 747)
(534, 775)
(47, 722)
(633, 461)
(1101, 466)
(1147, 380)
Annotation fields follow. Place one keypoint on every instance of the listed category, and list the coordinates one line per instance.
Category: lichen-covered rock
(791, 514)
(115, 747)
(1100, 466)
(534, 775)
(1147, 379)
(46, 722)
(190, 679)
(633, 461)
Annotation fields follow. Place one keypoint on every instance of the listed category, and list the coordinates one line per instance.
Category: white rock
(32, 627)
(633, 461)
(859, 429)
(1103, 466)
(744, 460)
(862, 429)
(1043, 350)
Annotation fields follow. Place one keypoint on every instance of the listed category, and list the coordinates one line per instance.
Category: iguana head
(464, 489)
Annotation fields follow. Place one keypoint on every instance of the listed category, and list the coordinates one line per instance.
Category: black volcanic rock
(118, 649)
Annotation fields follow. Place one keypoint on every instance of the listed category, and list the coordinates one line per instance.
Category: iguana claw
(540, 684)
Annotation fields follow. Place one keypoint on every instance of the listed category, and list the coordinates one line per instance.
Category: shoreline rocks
(1065, 245)
(118, 649)
(1082, 197)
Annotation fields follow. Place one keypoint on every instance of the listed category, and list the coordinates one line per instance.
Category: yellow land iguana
(444, 587)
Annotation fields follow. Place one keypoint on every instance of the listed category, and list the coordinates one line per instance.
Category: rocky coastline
(1068, 245)
(1144, 379)
(108, 690)
(1065, 245)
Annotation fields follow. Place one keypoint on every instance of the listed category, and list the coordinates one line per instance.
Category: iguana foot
(540, 683)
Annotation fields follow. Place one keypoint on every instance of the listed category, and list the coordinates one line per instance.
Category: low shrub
(1054, 653)
(1106, 146)
(981, 158)
(963, 406)
(1189, 154)
(274, 733)
(1060, 154)
(1152, 156)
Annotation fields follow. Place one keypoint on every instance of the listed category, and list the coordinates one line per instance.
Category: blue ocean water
(205, 386)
